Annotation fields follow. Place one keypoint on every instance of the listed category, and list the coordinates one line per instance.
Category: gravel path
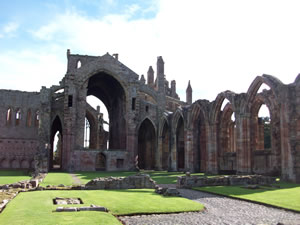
(219, 210)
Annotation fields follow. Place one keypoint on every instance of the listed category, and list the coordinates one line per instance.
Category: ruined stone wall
(19, 123)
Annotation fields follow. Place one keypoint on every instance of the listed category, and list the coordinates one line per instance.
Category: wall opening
(110, 92)
(146, 145)
(97, 132)
(55, 160)
(18, 117)
(8, 116)
(100, 162)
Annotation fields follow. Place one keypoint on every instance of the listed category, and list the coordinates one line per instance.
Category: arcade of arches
(149, 126)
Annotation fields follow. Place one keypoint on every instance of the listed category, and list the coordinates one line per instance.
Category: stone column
(243, 151)
(212, 165)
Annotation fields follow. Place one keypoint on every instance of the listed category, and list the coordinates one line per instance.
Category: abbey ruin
(149, 124)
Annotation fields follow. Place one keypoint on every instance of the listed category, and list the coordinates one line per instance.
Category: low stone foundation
(137, 181)
(196, 181)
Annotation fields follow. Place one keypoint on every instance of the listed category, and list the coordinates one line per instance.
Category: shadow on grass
(10, 173)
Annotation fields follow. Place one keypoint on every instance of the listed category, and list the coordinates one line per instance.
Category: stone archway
(100, 164)
(55, 161)
(106, 88)
(146, 145)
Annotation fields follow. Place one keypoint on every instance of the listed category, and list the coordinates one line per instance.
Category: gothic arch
(93, 128)
(199, 125)
(56, 126)
(269, 80)
(216, 109)
(146, 144)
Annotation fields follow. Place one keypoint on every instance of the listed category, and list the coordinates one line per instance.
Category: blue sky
(217, 44)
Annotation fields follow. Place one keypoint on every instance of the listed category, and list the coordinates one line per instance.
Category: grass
(161, 177)
(57, 179)
(287, 196)
(13, 176)
(37, 207)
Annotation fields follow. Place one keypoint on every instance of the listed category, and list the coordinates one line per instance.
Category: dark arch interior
(56, 127)
(146, 145)
(111, 93)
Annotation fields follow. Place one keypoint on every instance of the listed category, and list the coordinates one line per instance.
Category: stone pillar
(150, 76)
(173, 154)
(160, 75)
(173, 88)
(189, 154)
(243, 151)
(212, 162)
(189, 94)
(42, 155)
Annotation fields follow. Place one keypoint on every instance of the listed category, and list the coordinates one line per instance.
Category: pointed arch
(55, 161)
(274, 83)
(8, 116)
(216, 109)
(146, 144)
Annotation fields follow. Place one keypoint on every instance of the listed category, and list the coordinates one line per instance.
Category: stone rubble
(197, 181)
(137, 181)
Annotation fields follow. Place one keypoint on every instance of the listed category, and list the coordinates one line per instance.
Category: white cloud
(9, 29)
(218, 45)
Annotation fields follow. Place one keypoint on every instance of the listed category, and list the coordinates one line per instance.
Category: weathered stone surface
(171, 192)
(131, 182)
(150, 128)
(195, 181)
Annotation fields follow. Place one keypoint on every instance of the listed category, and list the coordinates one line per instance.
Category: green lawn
(37, 207)
(12, 176)
(287, 196)
(161, 177)
(57, 179)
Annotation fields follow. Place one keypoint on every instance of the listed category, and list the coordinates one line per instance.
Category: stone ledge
(137, 181)
(195, 181)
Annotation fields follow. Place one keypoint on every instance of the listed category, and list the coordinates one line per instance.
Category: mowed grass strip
(161, 177)
(57, 178)
(287, 196)
(37, 207)
(13, 176)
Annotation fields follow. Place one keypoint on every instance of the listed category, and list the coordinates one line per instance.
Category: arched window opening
(78, 64)
(37, 118)
(263, 136)
(232, 133)
(18, 116)
(8, 116)
(146, 145)
(87, 132)
(57, 145)
(101, 112)
(225, 102)
(29, 119)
